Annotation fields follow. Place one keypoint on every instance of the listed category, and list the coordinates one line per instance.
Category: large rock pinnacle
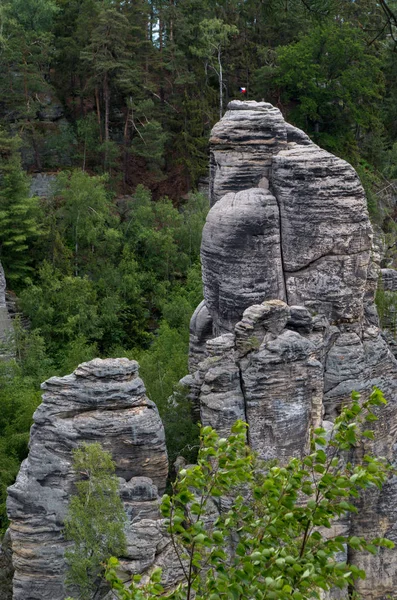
(102, 401)
(290, 271)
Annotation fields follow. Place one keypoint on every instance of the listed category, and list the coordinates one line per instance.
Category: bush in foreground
(272, 539)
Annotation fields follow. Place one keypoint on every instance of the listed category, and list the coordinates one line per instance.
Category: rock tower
(102, 401)
(288, 327)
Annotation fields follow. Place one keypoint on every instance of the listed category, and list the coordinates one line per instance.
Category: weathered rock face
(389, 280)
(102, 401)
(243, 144)
(41, 184)
(6, 568)
(5, 320)
(290, 270)
(325, 231)
(306, 240)
(246, 224)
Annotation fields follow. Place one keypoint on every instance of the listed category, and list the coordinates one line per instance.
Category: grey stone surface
(278, 394)
(325, 231)
(241, 255)
(41, 184)
(389, 279)
(242, 146)
(2, 288)
(290, 270)
(5, 320)
(200, 332)
(221, 397)
(6, 567)
(102, 401)
(288, 221)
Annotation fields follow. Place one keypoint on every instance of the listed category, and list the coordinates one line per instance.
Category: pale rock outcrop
(5, 320)
(389, 280)
(241, 255)
(102, 401)
(200, 332)
(290, 270)
(241, 153)
(6, 568)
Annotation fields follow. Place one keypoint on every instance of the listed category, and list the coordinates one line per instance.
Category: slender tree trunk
(171, 31)
(150, 23)
(125, 143)
(98, 113)
(161, 27)
(220, 84)
(161, 46)
(106, 99)
(76, 247)
(85, 151)
(36, 150)
(82, 107)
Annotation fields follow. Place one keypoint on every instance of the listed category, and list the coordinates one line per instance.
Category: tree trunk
(98, 113)
(82, 107)
(171, 31)
(36, 150)
(220, 84)
(76, 247)
(125, 143)
(106, 99)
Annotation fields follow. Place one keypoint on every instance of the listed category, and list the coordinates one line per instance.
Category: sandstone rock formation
(389, 280)
(102, 401)
(6, 568)
(290, 273)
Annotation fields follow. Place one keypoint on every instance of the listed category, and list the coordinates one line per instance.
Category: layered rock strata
(243, 144)
(389, 280)
(102, 401)
(290, 270)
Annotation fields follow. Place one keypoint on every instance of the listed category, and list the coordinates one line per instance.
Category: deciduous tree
(242, 529)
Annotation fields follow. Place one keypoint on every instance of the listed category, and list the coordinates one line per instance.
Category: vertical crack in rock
(318, 253)
(281, 243)
(242, 387)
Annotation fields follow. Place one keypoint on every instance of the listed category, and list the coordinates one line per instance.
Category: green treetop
(19, 213)
(269, 538)
(95, 520)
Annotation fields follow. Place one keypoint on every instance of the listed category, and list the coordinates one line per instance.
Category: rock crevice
(290, 268)
(102, 401)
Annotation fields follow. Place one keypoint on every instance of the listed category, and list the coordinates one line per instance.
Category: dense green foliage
(108, 278)
(271, 540)
(141, 82)
(19, 213)
(95, 520)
